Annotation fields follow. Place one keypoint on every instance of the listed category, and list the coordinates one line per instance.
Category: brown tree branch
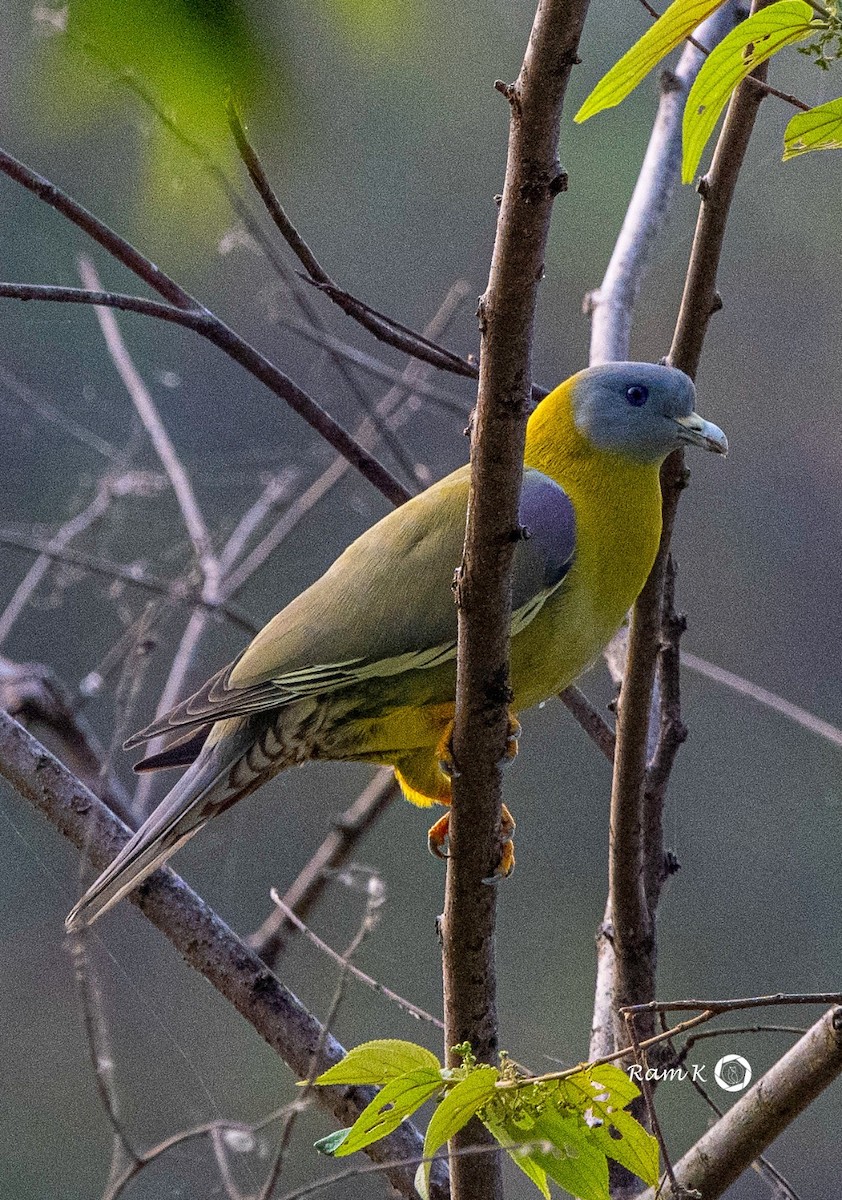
(35, 696)
(611, 309)
(506, 314)
(384, 328)
(295, 922)
(632, 918)
(590, 719)
(184, 309)
(204, 940)
(791, 1085)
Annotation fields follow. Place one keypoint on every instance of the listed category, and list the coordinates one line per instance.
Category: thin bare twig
(760, 84)
(590, 719)
(210, 1128)
(252, 225)
(383, 327)
(744, 687)
(48, 412)
(274, 494)
(737, 1004)
(646, 1088)
(184, 309)
(375, 898)
(270, 939)
(173, 691)
(147, 410)
(99, 1050)
(71, 529)
(438, 396)
(406, 1006)
(732, 1031)
(179, 591)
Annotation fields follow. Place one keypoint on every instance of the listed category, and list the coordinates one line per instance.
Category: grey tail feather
(179, 753)
(202, 791)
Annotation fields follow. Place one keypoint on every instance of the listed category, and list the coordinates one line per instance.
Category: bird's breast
(618, 528)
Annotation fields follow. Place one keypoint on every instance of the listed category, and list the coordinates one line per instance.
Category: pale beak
(696, 431)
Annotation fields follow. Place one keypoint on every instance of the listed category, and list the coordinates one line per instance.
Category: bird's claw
(512, 738)
(447, 760)
(438, 836)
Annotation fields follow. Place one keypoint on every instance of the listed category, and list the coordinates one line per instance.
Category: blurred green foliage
(187, 57)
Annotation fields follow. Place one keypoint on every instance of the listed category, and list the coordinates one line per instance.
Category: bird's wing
(385, 606)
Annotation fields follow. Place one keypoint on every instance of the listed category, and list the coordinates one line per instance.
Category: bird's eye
(637, 395)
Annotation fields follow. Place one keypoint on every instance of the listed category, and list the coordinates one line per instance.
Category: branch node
(559, 182)
(716, 303)
(703, 187)
(482, 316)
(509, 90)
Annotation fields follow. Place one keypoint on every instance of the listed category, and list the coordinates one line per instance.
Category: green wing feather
(384, 607)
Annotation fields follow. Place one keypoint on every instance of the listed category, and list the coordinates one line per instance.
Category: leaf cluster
(565, 1127)
(740, 52)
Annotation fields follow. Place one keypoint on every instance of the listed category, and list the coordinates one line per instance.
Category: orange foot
(438, 836)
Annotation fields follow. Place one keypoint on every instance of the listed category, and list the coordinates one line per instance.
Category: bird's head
(640, 410)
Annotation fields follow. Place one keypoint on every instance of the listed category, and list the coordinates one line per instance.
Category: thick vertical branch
(611, 306)
(632, 918)
(506, 313)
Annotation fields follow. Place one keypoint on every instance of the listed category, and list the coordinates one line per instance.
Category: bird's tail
(218, 777)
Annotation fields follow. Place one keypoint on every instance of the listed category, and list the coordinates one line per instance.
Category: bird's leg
(444, 749)
(437, 836)
(437, 839)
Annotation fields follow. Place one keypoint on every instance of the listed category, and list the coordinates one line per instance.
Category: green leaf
(603, 1092)
(396, 1101)
(330, 1144)
(634, 1149)
(509, 1136)
(736, 56)
(574, 1160)
(617, 1085)
(378, 1062)
(818, 129)
(679, 20)
(456, 1110)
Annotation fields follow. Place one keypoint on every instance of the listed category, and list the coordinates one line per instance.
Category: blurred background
(380, 127)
